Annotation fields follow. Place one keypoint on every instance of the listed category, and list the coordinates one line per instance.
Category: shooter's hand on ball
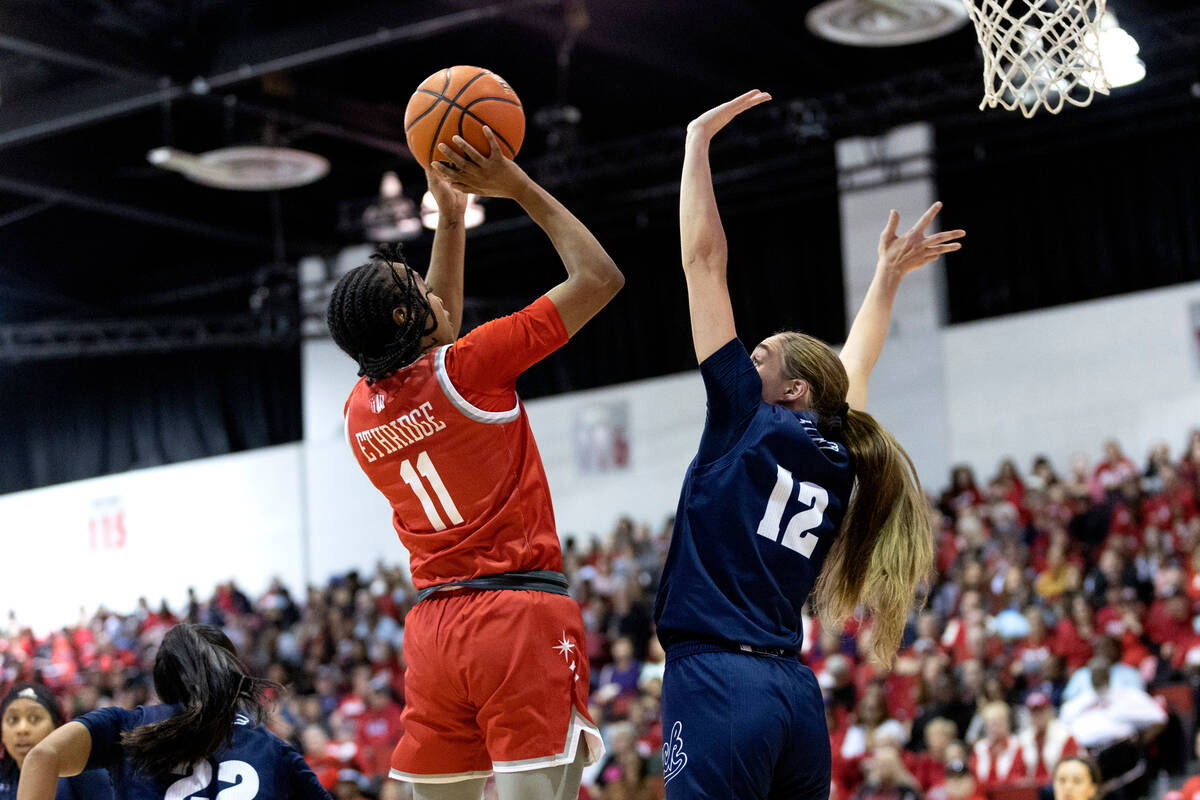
(707, 124)
(494, 175)
(911, 250)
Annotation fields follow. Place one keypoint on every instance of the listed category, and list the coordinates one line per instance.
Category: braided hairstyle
(360, 314)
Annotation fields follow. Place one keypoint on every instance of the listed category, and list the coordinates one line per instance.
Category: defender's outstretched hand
(450, 201)
(711, 121)
(900, 255)
(492, 176)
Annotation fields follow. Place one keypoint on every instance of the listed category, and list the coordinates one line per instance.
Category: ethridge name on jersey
(392, 437)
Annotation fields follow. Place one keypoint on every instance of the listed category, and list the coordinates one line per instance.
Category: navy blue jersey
(256, 765)
(90, 785)
(761, 504)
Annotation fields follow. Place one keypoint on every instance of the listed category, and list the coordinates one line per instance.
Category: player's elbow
(704, 259)
(44, 757)
(607, 278)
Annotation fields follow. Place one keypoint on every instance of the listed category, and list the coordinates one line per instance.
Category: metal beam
(42, 52)
(40, 341)
(310, 125)
(25, 212)
(139, 214)
(99, 101)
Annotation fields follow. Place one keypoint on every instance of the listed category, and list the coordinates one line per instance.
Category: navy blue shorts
(742, 726)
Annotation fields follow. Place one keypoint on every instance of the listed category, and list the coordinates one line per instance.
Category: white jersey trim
(580, 730)
(453, 777)
(461, 403)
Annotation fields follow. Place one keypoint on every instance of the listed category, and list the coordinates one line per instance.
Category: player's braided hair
(884, 549)
(361, 319)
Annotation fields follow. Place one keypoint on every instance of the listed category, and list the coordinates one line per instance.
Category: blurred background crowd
(1063, 619)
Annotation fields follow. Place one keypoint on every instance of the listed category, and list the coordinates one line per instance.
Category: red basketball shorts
(496, 681)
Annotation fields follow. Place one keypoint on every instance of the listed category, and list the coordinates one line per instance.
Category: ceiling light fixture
(472, 218)
(393, 217)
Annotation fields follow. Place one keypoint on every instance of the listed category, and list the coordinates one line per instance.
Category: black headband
(38, 694)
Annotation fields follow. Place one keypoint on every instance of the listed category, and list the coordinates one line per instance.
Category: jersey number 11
(426, 469)
(799, 535)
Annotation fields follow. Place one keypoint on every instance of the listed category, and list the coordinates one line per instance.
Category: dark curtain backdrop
(1070, 208)
(68, 420)
(784, 272)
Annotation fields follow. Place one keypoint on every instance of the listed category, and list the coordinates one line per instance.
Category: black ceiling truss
(925, 94)
(98, 100)
(619, 176)
(40, 341)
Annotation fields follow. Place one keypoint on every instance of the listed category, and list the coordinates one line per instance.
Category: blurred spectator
(351, 784)
(959, 784)
(996, 758)
(379, 728)
(1104, 713)
(1191, 787)
(1045, 741)
(1114, 469)
(1076, 778)
(1037, 575)
(886, 777)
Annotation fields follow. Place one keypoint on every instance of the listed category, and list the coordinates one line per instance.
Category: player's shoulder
(253, 735)
(127, 718)
(830, 450)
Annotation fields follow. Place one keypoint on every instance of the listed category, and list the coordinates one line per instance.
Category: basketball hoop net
(1039, 53)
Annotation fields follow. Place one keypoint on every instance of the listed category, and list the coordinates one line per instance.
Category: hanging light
(472, 218)
(392, 218)
(1118, 53)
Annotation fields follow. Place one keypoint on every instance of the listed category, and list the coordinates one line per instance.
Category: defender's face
(767, 358)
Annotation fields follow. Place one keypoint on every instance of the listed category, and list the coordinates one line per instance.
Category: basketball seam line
(432, 105)
(466, 110)
(453, 103)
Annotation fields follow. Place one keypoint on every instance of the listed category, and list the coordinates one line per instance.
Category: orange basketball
(459, 101)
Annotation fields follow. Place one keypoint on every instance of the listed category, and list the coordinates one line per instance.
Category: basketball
(459, 101)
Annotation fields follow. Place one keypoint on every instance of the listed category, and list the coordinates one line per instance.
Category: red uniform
(448, 443)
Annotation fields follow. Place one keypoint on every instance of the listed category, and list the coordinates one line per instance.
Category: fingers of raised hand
(473, 155)
(457, 160)
(944, 236)
(889, 230)
(493, 143)
(927, 217)
(753, 98)
(945, 248)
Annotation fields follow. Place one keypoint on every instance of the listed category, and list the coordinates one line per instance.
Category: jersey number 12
(426, 469)
(798, 535)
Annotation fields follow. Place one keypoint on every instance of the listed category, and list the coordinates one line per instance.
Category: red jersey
(448, 443)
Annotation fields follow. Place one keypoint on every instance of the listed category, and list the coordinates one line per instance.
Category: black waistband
(538, 580)
(681, 643)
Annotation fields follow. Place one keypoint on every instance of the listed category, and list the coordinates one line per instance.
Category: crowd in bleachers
(1063, 617)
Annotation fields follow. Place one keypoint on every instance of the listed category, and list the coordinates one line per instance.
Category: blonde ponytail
(885, 546)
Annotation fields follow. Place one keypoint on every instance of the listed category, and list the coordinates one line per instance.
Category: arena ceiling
(89, 230)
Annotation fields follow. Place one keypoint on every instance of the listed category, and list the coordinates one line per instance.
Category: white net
(1039, 53)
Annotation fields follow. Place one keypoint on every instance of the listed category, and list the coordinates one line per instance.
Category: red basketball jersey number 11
(426, 470)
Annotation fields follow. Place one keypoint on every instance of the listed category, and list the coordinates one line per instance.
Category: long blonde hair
(885, 546)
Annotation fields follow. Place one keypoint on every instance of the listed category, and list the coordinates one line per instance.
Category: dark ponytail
(884, 549)
(361, 314)
(197, 668)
